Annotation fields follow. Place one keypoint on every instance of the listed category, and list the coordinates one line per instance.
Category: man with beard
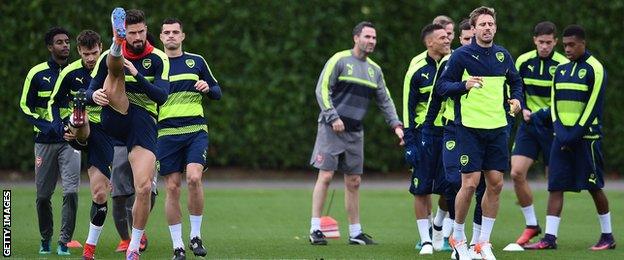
(129, 88)
(347, 83)
(183, 135)
(475, 77)
(53, 155)
(425, 157)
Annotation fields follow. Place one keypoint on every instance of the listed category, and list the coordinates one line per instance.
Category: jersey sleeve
(328, 79)
(450, 82)
(98, 75)
(206, 75)
(27, 103)
(410, 100)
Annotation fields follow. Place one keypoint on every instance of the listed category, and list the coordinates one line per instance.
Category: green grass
(273, 223)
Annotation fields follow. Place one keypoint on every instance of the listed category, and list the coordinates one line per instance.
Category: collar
(485, 50)
(53, 65)
(131, 56)
(545, 58)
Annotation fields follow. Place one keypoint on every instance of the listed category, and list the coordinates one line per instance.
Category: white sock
(605, 223)
(94, 234)
(355, 229)
(552, 224)
(315, 224)
(529, 215)
(196, 222)
(487, 224)
(176, 235)
(458, 232)
(476, 232)
(135, 239)
(115, 49)
(438, 221)
(447, 227)
(423, 230)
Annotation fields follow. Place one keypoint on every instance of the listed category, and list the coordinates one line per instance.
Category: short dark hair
(360, 26)
(574, 30)
(443, 20)
(428, 30)
(135, 16)
(56, 30)
(88, 39)
(545, 28)
(172, 20)
(464, 25)
(479, 11)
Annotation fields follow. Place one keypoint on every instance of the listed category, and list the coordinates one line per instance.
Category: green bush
(267, 55)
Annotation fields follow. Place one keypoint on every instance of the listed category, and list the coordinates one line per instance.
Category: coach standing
(345, 87)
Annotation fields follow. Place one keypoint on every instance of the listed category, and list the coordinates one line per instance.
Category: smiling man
(425, 158)
(53, 155)
(475, 77)
(346, 85)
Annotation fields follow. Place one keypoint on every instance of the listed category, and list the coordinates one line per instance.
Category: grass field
(273, 223)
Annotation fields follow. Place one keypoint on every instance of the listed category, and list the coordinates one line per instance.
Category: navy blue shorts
(428, 175)
(530, 143)
(576, 167)
(137, 128)
(176, 151)
(482, 149)
(101, 151)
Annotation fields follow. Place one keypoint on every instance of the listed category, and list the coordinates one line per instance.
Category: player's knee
(99, 195)
(325, 178)
(143, 189)
(517, 176)
(194, 180)
(495, 187)
(353, 183)
(173, 189)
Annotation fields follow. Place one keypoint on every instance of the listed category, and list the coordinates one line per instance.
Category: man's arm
(27, 103)
(98, 75)
(450, 83)
(214, 91)
(61, 91)
(515, 83)
(411, 95)
(159, 90)
(327, 79)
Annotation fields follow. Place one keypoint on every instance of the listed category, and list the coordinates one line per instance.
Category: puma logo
(425, 75)
(563, 72)
(79, 79)
(531, 67)
(47, 79)
(475, 56)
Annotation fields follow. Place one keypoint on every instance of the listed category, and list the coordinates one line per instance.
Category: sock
(120, 217)
(605, 223)
(447, 227)
(439, 218)
(196, 222)
(94, 234)
(458, 232)
(476, 232)
(315, 224)
(552, 225)
(115, 49)
(176, 235)
(423, 230)
(487, 224)
(529, 215)
(98, 213)
(355, 230)
(135, 239)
